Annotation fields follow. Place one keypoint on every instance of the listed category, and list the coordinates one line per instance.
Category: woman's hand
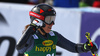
(37, 23)
(90, 47)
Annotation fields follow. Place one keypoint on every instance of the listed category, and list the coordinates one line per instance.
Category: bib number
(50, 54)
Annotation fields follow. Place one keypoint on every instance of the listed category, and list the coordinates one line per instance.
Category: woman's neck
(41, 31)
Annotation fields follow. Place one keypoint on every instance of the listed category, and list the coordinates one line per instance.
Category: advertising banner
(14, 17)
(70, 23)
(90, 23)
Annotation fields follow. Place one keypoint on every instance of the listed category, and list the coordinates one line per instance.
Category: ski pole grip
(88, 38)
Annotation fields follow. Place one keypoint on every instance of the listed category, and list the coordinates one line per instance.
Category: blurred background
(74, 18)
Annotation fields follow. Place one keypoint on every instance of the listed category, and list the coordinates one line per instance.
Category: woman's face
(47, 27)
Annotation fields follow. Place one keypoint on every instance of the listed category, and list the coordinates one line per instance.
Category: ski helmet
(43, 12)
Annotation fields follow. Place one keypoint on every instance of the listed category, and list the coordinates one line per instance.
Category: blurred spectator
(49, 2)
(96, 3)
(66, 3)
(35, 1)
(84, 3)
(15, 1)
(24, 1)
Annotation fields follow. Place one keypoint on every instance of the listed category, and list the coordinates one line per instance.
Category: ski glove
(88, 47)
(37, 23)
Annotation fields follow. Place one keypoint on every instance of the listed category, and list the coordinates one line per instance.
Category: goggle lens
(49, 19)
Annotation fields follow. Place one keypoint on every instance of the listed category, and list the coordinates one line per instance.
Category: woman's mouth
(49, 27)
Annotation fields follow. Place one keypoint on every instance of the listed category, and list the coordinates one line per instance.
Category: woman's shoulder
(55, 32)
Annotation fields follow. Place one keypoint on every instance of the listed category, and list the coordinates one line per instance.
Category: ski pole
(91, 44)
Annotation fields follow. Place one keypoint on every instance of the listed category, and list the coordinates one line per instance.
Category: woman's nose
(51, 24)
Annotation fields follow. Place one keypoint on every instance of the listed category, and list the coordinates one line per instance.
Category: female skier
(39, 40)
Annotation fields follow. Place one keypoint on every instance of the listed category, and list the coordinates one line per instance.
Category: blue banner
(90, 23)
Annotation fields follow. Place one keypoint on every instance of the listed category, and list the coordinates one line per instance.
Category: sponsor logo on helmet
(41, 11)
(49, 9)
(35, 15)
(47, 42)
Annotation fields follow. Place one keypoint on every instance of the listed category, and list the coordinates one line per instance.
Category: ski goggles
(47, 19)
